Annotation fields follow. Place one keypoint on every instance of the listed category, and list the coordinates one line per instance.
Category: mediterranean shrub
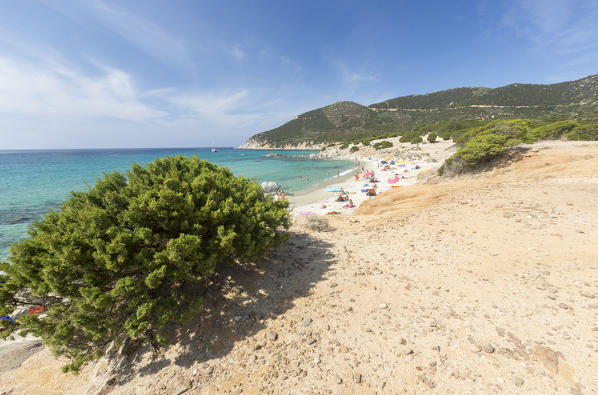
(132, 255)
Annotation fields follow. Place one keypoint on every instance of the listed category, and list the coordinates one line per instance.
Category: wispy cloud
(236, 52)
(146, 35)
(52, 89)
(553, 23)
(352, 76)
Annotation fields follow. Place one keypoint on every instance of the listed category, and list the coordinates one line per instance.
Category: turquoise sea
(33, 182)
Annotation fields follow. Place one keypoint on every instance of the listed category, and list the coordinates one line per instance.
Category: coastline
(413, 163)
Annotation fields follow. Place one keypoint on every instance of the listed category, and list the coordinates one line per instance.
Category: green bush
(432, 137)
(585, 132)
(344, 146)
(132, 254)
(382, 144)
(552, 131)
(354, 148)
(482, 148)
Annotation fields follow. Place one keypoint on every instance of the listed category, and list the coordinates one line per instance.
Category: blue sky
(90, 74)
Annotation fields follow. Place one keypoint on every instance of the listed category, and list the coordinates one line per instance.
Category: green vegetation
(448, 114)
(481, 144)
(382, 144)
(354, 148)
(133, 255)
(344, 146)
(432, 137)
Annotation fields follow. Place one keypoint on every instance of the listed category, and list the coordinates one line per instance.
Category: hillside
(348, 121)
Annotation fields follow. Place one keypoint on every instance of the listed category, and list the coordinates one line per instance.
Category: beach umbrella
(393, 179)
(368, 173)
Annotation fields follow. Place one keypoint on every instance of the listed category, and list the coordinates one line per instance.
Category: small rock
(339, 380)
(383, 306)
(489, 348)
(258, 347)
(587, 294)
(475, 348)
(405, 351)
(403, 341)
(181, 389)
(517, 381)
(357, 377)
(432, 364)
(307, 322)
(272, 336)
(553, 297)
(427, 382)
(563, 306)
(436, 348)
(311, 341)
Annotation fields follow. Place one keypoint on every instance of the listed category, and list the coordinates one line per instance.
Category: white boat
(212, 147)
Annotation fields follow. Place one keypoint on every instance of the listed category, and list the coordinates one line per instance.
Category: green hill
(348, 121)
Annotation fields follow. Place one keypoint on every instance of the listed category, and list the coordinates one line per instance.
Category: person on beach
(300, 179)
(282, 196)
(356, 176)
(276, 197)
(338, 173)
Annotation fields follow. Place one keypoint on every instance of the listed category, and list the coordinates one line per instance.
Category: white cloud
(236, 52)
(353, 77)
(51, 89)
(144, 34)
(553, 23)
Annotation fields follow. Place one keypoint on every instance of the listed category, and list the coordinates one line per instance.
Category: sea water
(33, 182)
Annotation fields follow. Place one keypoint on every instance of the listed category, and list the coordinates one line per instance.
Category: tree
(133, 254)
(432, 137)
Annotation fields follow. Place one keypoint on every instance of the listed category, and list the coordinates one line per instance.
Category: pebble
(553, 297)
(357, 377)
(587, 294)
(181, 389)
(383, 305)
(405, 351)
(427, 382)
(489, 348)
(307, 322)
(563, 306)
(403, 341)
(339, 380)
(517, 381)
(436, 348)
(273, 336)
(475, 348)
(311, 341)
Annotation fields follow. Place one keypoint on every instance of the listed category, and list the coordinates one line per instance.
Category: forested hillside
(414, 114)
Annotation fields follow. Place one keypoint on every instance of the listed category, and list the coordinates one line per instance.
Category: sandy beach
(408, 162)
(485, 283)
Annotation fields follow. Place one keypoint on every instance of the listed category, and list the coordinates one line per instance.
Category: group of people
(279, 195)
(344, 197)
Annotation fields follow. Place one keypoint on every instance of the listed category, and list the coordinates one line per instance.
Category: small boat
(213, 149)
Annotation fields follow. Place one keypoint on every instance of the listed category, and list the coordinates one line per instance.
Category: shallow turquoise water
(33, 182)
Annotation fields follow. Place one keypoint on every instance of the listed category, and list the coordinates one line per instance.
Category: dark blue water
(33, 182)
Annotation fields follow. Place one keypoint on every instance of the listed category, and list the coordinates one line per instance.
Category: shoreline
(409, 162)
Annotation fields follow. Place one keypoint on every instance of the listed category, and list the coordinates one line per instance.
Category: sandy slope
(478, 285)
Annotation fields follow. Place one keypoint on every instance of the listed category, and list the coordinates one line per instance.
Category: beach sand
(485, 283)
(411, 162)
